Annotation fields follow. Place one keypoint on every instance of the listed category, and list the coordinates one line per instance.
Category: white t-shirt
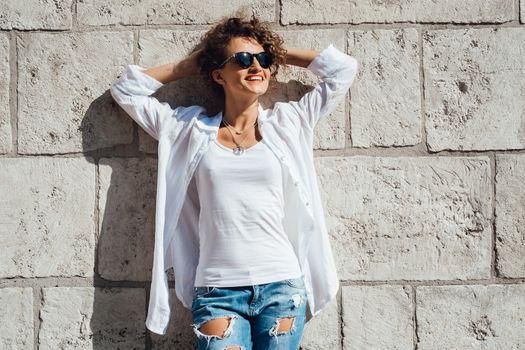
(241, 236)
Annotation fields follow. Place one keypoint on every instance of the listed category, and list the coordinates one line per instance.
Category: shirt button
(296, 183)
(307, 204)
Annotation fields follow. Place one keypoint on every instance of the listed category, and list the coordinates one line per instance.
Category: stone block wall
(422, 169)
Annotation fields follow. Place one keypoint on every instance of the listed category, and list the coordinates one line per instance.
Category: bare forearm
(300, 57)
(172, 71)
(167, 72)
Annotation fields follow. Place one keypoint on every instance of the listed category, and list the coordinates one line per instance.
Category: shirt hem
(252, 282)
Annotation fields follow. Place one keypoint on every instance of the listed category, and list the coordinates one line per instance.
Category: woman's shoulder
(195, 115)
(283, 114)
(190, 112)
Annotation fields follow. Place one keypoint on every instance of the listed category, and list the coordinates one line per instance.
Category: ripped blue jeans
(253, 313)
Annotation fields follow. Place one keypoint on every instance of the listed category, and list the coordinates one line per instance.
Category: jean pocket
(204, 291)
(295, 282)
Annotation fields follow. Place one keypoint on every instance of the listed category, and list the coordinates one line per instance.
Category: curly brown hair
(215, 40)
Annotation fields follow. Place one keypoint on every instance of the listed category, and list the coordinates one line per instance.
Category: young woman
(239, 216)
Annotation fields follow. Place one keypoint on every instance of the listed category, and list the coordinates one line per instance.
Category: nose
(256, 64)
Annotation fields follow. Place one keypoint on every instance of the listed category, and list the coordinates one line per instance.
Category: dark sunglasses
(245, 59)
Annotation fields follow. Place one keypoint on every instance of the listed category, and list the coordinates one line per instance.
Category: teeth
(254, 78)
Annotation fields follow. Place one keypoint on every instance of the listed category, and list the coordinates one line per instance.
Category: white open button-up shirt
(184, 134)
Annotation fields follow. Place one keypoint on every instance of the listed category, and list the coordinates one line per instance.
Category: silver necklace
(239, 150)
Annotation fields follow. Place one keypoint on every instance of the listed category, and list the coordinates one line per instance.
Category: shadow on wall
(126, 205)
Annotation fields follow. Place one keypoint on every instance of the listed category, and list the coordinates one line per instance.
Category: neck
(239, 113)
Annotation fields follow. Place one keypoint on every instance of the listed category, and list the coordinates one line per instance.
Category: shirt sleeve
(132, 92)
(337, 70)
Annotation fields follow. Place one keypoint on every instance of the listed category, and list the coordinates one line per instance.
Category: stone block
(101, 13)
(484, 317)
(16, 318)
(372, 11)
(377, 317)
(64, 103)
(510, 215)
(47, 217)
(92, 318)
(416, 218)
(386, 99)
(474, 88)
(126, 214)
(124, 12)
(32, 14)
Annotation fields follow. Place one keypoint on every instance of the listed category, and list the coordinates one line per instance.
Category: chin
(261, 90)
(253, 90)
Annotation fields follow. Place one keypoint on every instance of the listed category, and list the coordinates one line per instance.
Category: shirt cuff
(329, 61)
(135, 73)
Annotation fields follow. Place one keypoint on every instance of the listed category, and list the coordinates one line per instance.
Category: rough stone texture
(126, 214)
(475, 88)
(33, 14)
(47, 217)
(322, 332)
(395, 215)
(100, 12)
(295, 82)
(377, 317)
(471, 317)
(180, 333)
(510, 215)
(5, 115)
(64, 103)
(425, 218)
(92, 318)
(163, 46)
(361, 11)
(16, 318)
(386, 104)
(522, 8)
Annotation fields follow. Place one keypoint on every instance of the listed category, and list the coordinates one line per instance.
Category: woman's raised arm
(172, 71)
(133, 89)
(336, 69)
(300, 57)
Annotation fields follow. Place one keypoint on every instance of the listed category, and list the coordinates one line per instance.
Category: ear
(217, 77)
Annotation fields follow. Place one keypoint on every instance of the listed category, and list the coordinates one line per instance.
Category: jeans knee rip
(208, 337)
(274, 330)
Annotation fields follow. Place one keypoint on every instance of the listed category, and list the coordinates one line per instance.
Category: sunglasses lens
(244, 59)
(265, 60)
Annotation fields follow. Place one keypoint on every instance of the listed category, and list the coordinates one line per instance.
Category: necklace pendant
(238, 150)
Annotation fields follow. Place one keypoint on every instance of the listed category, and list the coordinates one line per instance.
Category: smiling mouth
(260, 79)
